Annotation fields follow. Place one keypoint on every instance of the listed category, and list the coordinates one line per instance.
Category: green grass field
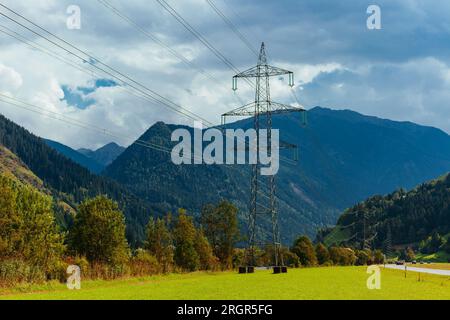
(317, 283)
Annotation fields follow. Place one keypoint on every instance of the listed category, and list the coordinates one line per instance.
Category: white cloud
(10, 79)
(336, 63)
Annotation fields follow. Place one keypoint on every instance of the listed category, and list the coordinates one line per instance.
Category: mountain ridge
(104, 155)
(76, 156)
(345, 157)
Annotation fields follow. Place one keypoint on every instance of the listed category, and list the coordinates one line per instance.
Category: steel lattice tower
(263, 198)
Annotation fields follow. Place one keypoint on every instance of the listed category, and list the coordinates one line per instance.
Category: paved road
(421, 270)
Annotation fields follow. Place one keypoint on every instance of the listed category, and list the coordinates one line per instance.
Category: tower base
(278, 269)
(248, 269)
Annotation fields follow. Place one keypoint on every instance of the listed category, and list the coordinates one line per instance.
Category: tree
(304, 249)
(364, 257)
(204, 251)
(98, 232)
(446, 246)
(323, 256)
(432, 244)
(159, 243)
(184, 234)
(342, 256)
(378, 257)
(27, 226)
(220, 225)
(290, 258)
(408, 254)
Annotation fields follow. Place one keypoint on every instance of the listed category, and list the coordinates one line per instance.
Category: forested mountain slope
(399, 218)
(71, 183)
(345, 157)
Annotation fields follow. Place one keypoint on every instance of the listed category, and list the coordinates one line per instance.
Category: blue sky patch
(77, 97)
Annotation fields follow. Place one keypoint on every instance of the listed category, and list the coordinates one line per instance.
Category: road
(421, 270)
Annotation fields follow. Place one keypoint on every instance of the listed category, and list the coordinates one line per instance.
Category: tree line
(34, 249)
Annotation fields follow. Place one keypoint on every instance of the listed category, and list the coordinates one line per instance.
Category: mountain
(94, 161)
(104, 155)
(345, 157)
(71, 183)
(76, 156)
(402, 217)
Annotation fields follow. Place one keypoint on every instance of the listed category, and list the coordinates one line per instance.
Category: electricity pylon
(263, 199)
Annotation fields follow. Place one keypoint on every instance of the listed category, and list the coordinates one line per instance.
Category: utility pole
(364, 244)
(388, 242)
(263, 198)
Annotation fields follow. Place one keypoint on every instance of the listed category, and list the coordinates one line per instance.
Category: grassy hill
(13, 167)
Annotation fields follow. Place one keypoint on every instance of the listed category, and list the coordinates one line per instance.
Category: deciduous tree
(220, 225)
(99, 232)
(159, 243)
(304, 249)
(323, 256)
(184, 234)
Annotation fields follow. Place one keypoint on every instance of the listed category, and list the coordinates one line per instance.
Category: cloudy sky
(401, 72)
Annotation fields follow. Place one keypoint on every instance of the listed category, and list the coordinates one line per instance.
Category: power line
(231, 25)
(148, 34)
(63, 118)
(161, 43)
(82, 68)
(243, 38)
(199, 36)
(113, 73)
(91, 60)
(196, 34)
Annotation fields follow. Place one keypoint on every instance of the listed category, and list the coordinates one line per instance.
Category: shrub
(238, 257)
(364, 257)
(378, 257)
(28, 232)
(342, 256)
(291, 259)
(205, 253)
(15, 271)
(144, 264)
(323, 256)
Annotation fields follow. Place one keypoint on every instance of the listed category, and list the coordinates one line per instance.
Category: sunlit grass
(315, 283)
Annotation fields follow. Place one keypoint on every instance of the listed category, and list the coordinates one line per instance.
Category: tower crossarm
(263, 71)
(275, 108)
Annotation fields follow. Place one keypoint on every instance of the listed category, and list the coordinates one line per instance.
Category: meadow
(335, 283)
